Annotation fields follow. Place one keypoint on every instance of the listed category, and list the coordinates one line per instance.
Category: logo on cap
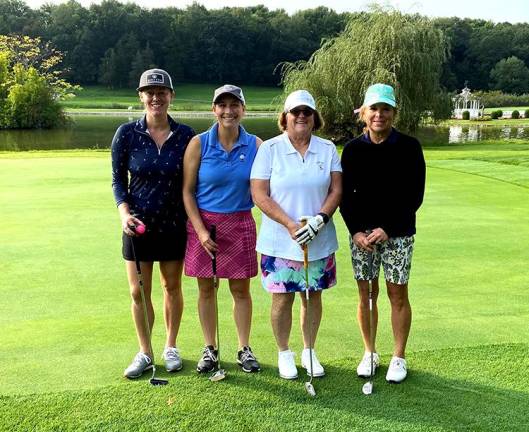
(155, 78)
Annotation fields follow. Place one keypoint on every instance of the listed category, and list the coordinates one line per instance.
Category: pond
(96, 132)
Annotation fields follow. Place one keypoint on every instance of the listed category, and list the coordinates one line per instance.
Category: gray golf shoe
(172, 360)
(140, 364)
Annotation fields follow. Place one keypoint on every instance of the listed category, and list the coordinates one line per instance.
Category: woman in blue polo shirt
(217, 167)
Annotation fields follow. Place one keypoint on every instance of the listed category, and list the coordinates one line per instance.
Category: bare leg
(206, 309)
(363, 312)
(242, 309)
(173, 301)
(137, 306)
(400, 316)
(315, 315)
(281, 318)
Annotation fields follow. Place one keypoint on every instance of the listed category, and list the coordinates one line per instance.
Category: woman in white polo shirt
(295, 176)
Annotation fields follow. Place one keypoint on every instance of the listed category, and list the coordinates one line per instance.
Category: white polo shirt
(299, 186)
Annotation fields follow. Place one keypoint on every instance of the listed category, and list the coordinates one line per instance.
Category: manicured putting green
(67, 333)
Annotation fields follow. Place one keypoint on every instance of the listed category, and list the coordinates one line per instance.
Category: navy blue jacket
(150, 180)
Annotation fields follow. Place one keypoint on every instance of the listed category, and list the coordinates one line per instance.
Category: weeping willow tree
(386, 46)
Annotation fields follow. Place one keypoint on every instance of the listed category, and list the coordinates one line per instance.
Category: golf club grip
(213, 236)
(305, 248)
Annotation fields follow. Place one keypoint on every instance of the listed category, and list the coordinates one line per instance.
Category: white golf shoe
(140, 364)
(172, 359)
(317, 368)
(397, 370)
(364, 367)
(286, 364)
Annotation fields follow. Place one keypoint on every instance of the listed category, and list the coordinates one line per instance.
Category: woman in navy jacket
(147, 159)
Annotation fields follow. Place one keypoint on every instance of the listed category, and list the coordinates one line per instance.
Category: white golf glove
(306, 233)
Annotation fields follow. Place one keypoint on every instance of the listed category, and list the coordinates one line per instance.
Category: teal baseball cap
(380, 93)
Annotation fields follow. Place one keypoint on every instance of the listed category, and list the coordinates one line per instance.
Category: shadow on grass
(468, 389)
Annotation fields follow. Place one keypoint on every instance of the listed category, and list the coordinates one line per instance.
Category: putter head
(158, 382)
(218, 376)
(310, 389)
(367, 388)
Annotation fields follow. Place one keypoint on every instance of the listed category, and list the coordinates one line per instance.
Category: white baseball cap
(299, 98)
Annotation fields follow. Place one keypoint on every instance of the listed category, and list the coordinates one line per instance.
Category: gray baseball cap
(229, 89)
(155, 77)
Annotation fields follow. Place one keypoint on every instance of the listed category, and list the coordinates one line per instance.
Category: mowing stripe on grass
(67, 332)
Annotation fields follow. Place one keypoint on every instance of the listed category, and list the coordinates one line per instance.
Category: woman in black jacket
(383, 187)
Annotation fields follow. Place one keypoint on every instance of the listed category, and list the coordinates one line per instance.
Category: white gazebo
(466, 101)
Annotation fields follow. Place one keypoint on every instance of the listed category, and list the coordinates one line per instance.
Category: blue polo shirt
(223, 181)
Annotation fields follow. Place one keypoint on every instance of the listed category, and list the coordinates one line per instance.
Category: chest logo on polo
(320, 165)
(242, 157)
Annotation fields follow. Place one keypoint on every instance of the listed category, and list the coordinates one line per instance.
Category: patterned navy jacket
(150, 180)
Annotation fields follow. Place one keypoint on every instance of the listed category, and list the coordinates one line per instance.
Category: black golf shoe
(247, 361)
(209, 361)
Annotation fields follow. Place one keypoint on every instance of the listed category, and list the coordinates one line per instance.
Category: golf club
(153, 381)
(367, 388)
(219, 374)
(308, 385)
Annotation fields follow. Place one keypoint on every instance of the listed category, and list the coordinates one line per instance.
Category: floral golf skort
(395, 255)
(280, 275)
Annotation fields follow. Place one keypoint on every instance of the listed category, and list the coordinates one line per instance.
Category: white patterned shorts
(395, 255)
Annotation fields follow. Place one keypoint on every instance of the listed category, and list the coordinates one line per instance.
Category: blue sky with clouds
(513, 11)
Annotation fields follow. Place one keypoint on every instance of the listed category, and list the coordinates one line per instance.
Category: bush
(466, 115)
(30, 103)
(515, 114)
(496, 114)
(526, 113)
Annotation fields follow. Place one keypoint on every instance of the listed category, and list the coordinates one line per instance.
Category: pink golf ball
(140, 229)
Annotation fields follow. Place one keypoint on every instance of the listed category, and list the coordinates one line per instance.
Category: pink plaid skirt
(236, 237)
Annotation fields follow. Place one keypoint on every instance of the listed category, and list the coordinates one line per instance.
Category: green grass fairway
(66, 331)
(188, 97)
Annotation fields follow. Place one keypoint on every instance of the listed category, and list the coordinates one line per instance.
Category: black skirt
(155, 246)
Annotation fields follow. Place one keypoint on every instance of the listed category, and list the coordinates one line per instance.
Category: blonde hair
(282, 121)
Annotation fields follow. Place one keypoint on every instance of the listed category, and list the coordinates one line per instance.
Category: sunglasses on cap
(307, 112)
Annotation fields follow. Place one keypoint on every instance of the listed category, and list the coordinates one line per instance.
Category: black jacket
(383, 184)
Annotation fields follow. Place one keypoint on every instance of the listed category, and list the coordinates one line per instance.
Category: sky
(513, 11)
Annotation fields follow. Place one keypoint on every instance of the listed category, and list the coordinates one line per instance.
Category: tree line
(111, 43)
